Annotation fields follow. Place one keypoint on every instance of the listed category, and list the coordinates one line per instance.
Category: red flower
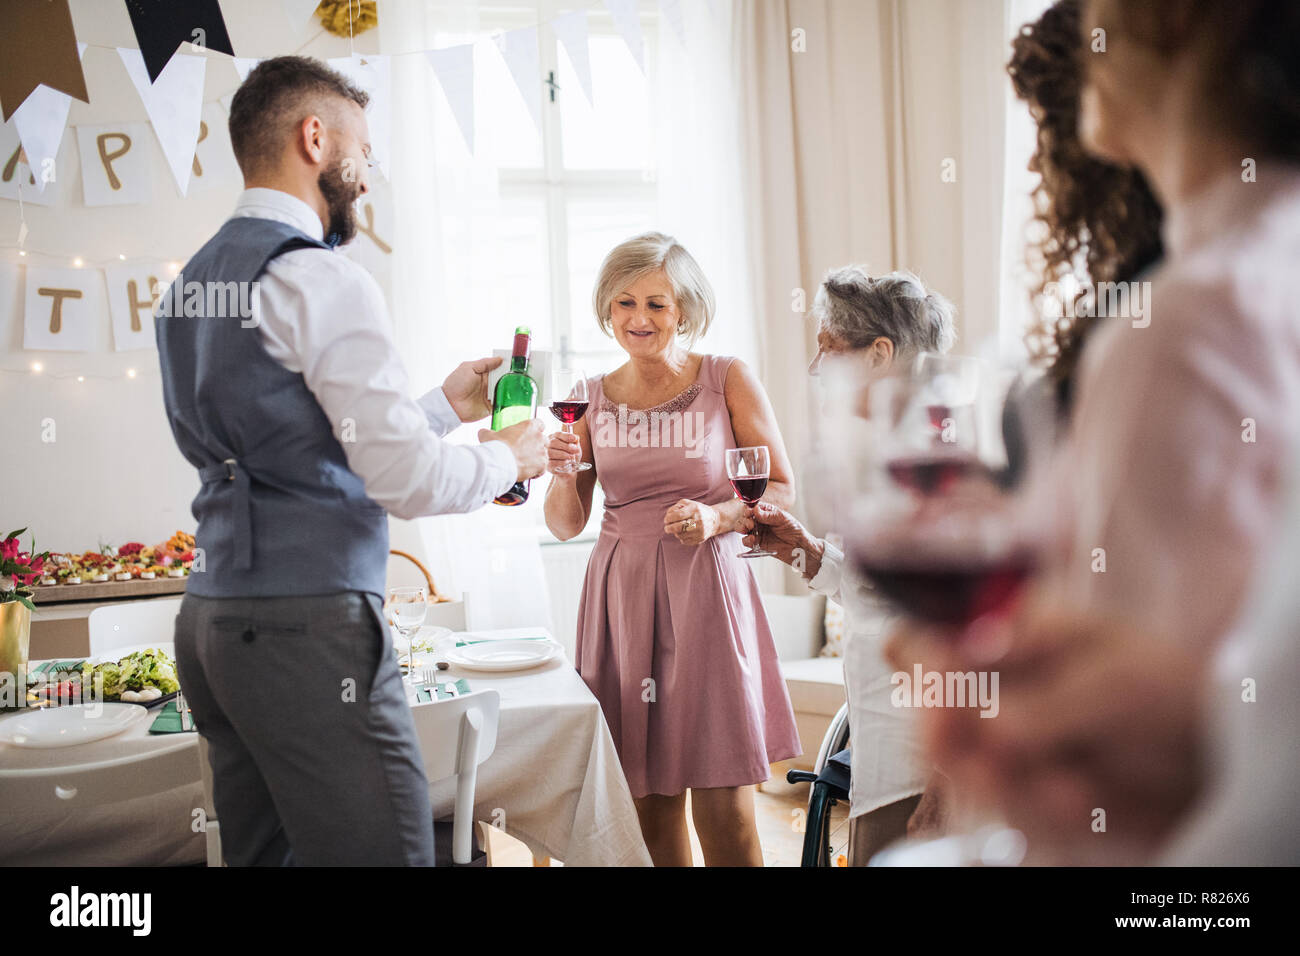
(9, 548)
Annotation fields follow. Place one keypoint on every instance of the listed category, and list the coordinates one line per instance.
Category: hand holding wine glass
(748, 470)
(569, 402)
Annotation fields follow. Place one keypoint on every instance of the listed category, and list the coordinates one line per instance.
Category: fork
(429, 678)
(183, 710)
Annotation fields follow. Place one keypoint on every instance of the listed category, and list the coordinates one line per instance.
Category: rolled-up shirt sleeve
(345, 349)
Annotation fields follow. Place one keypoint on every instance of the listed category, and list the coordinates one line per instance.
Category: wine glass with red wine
(572, 384)
(748, 470)
(939, 540)
(931, 426)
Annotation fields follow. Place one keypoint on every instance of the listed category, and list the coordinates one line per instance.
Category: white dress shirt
(886, 763)
(324, 316)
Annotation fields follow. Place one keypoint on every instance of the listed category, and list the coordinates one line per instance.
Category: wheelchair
(830, 786)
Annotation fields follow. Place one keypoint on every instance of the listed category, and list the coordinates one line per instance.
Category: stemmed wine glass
(408, 606)
(572, 384)
(748, 470)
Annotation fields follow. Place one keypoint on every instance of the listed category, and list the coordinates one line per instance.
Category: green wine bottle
(514, 401)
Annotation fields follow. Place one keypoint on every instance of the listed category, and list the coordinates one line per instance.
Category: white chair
(99, 784)
(456, 735)
(211, 827)
(132, 623)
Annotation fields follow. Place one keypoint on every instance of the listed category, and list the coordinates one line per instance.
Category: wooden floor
(779, 811)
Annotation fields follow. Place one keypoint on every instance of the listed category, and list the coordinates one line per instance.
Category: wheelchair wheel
(830, 786)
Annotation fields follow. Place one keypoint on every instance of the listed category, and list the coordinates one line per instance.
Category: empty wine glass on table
(408, 606)
(569, 401)
(748, 470)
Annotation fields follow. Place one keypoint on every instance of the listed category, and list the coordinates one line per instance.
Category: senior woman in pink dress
(672, 637)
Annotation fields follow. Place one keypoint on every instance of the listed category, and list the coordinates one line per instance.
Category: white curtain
(873, 134)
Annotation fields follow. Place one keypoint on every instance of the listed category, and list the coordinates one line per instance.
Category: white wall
(113, 473)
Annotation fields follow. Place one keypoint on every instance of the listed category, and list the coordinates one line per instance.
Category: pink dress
(672, 638)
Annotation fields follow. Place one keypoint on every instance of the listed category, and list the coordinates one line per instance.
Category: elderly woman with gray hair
(884, 322)
(672, 638)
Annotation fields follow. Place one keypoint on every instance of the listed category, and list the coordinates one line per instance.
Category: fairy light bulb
(130, 373)
(37, 367)
(78, 262)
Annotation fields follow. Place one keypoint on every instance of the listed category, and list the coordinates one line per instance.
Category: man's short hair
(278, 94)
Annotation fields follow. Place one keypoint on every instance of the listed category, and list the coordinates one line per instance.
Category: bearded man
(299, 421)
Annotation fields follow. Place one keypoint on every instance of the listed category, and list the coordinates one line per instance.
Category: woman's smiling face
(644, 316)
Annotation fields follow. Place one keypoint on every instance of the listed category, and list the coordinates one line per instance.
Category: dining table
(553, 781)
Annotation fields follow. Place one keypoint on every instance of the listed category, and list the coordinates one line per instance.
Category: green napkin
(55, 666)
(168, 720)
(422, 695)
(541, 637)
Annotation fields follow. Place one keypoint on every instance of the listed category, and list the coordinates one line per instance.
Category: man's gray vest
(279, 511)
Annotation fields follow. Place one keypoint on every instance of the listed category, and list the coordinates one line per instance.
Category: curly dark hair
(1090, 213)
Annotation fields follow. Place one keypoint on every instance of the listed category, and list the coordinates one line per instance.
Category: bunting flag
(454, 68)
(298, 10)
(519, 49)
(676, 17)
(173, 102)
(63, 309)
(38, 46)
(163, 25)
(371, 73)
(627, 20)
(571, 30)
(40, 122)
(244, 66)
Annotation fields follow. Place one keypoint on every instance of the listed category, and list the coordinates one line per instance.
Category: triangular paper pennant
(371, 73)
(571, 29)
(627, 20)
(299, 10)
(676, 17)
(519, 50)
(37, 46)
(244, 65)
(40, 122)
(454, 68)
(163, 25)
(173, 102)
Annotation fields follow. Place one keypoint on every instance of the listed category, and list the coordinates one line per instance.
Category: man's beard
(339, 198)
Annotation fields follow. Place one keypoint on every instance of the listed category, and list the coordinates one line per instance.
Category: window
(537, 212)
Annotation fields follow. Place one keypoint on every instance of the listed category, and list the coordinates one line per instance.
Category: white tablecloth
(554, 781)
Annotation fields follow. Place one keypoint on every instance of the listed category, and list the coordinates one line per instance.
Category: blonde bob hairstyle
(650, 252)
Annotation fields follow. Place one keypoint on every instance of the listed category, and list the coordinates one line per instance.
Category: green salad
(135, 672)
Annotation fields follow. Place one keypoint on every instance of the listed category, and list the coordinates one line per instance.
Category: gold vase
(15, 638)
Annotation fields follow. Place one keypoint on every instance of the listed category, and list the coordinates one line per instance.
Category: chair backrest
(106, 782)
(456, 735)
(441, 729)
(132, 623)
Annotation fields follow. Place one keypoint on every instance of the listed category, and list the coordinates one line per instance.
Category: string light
(78, 262)
(37, 366)
(130, 373)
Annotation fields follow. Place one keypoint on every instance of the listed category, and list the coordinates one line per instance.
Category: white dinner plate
(503, 655)
(48, 727)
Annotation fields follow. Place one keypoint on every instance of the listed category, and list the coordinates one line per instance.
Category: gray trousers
(313, 750)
